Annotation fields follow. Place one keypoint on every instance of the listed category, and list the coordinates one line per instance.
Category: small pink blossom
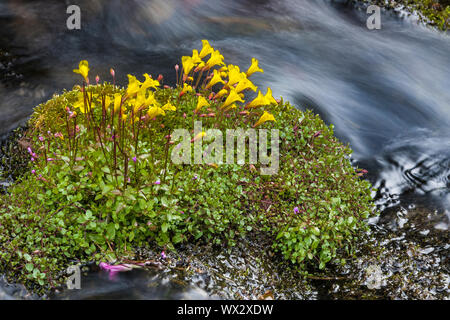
(157, 182)
(163, 255)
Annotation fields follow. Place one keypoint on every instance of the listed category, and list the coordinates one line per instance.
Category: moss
(102, 183)
(433, 12)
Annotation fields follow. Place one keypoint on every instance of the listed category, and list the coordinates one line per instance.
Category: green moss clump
(102, 183)
(432, 12)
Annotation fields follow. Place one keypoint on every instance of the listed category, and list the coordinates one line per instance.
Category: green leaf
(111, 231)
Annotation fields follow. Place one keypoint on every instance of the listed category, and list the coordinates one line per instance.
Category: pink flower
(177, 67)
(41, 139)
(157, 182)
(116, 268)
(134, 159)
(296, 210)
(113, 73)
(50, 159)
(163, 255)
(33, 171)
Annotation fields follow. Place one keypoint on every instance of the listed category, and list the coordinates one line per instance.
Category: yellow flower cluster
(138, 97)
(234, 82)
(207, 65)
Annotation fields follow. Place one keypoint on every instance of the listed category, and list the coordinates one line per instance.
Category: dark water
(386, 91)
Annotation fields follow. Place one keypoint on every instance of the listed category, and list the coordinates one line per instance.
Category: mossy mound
(101, 180)
(433, 12)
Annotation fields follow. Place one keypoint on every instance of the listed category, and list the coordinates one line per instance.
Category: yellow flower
(207, 49)
(201, 102)
(134, 85)
(216, 59)
(265, 117)
(215, 79)
(245, 84)
(195, 57)
(155, 111)
(188, 64)
(83, 69)
(234, 75)
(142, 101)
(108, 101)
(80, 105)
(260, 100)
(233, 106)
(232, 97)
(199, 136)
(269, 97)
(221, 93)
(254, 68)
(149, 82)
(169, 106)
(117, 101)
(186, 88)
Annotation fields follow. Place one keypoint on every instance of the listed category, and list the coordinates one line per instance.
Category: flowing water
(386, 91)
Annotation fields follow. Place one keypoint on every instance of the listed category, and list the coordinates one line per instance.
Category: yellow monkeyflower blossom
(245, 84)
(221, 93)
(143, 101)
(83, 69)
(215, 79)
(169, 106)
(199, 136)
(269, 97)
(234, 75)
(216, 59)
(108, 101)
(117, 101)
(253, 68)
(201, 102)
(149, 82)
(200, 66)
(80, 105)
(186, 88)
(134, 85)
(195, 57)
(265, 117)
(260, 100)
(232, 97)
(155, 111)
(207, 49)
(188, 64)
(233, 106)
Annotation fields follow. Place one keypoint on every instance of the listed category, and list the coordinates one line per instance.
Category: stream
(387, 92)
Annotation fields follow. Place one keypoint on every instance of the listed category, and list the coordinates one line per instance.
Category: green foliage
(434, 12)
(84, 198)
